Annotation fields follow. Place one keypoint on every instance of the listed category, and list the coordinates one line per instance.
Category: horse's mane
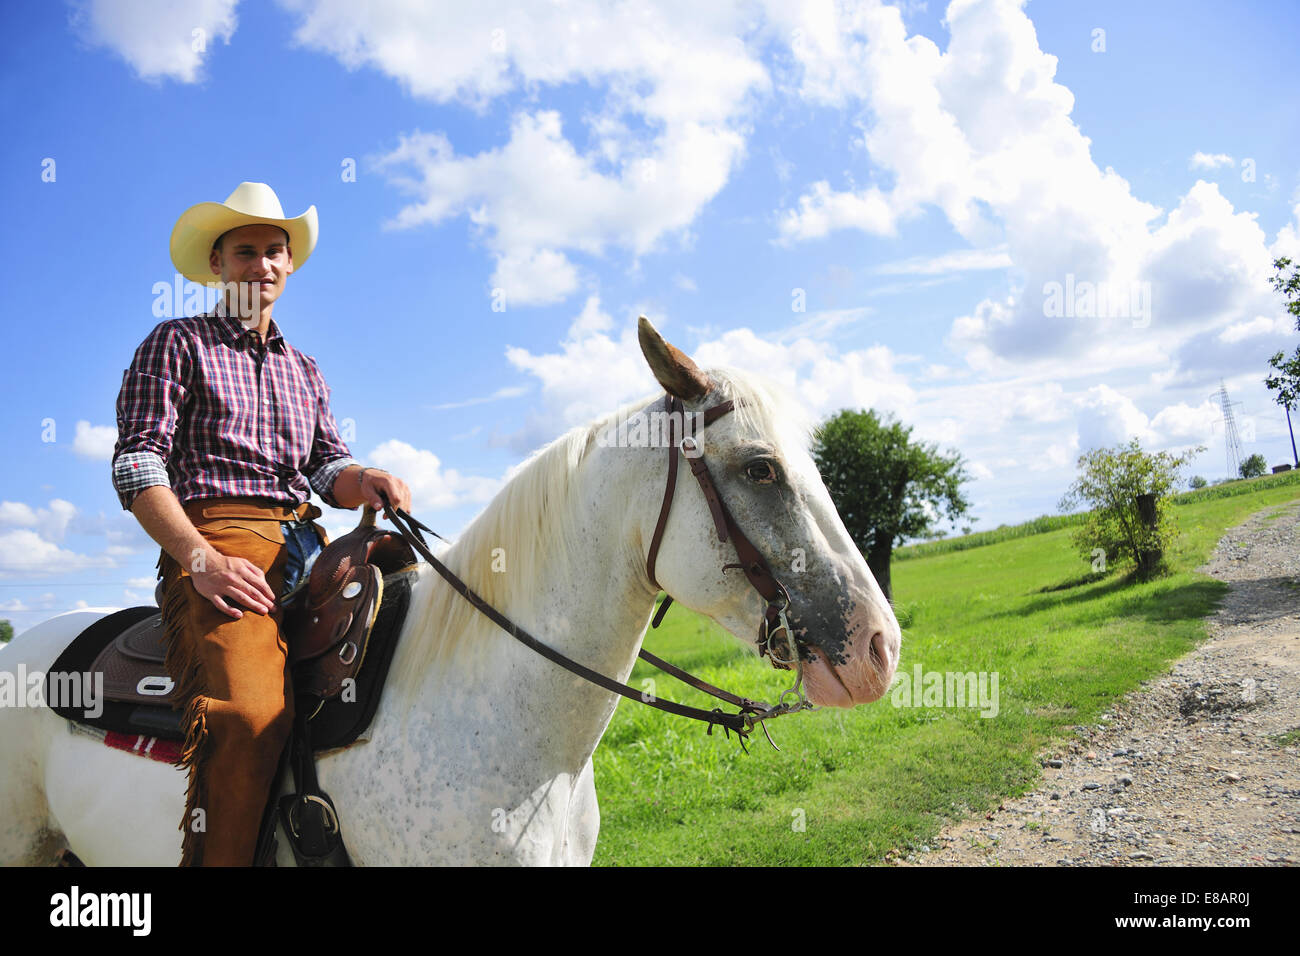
(532, 524)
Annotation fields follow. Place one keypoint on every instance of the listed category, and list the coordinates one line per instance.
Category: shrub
(1129, 491)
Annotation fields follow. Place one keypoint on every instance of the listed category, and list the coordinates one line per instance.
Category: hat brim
(200, 225)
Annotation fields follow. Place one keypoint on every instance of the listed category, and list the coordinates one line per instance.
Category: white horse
(480, 751)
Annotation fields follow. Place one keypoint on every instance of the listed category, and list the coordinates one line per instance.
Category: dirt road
(1200, 766)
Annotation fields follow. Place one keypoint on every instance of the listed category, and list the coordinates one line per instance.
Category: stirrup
(310, 821)
(312, 825)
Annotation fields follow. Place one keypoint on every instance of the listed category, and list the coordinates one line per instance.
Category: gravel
(1188, 770)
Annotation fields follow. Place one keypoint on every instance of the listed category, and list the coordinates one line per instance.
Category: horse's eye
(761, 472)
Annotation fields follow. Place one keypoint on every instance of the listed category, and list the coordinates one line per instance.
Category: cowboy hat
(199, 227)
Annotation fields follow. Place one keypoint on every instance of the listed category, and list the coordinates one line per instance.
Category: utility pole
(1292, 431)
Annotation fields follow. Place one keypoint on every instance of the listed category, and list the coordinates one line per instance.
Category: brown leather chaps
(233, 681)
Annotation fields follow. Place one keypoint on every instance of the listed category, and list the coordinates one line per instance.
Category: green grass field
(849, 785)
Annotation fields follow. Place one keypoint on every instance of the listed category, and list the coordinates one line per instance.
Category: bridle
(773, 624)
(752, 563)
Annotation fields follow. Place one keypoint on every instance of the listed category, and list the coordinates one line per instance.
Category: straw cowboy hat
(199, 227)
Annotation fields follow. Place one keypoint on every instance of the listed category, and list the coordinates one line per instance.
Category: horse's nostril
(879, 651)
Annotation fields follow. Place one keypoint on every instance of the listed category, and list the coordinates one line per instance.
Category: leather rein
(772, 626)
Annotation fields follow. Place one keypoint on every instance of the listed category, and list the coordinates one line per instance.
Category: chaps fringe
(184, 666)
(192, 756)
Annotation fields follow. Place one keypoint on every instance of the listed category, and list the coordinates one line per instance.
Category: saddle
(331, 620)
(330, 615)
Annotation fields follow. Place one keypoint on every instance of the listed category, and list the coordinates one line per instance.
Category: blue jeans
(303, 545)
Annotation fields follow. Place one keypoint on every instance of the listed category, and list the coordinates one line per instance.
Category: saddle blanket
(164, 750)
(155, 748)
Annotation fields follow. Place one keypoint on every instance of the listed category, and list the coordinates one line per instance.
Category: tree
(1196, 482)
(1128, 490)
(6, 632)
(1288, 286)
(1287, 382)
(886, 487)
(1254, 466)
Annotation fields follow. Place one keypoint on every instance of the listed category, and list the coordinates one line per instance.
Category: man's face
(257, 253)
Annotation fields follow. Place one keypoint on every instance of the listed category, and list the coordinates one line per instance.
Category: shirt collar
(232, 330)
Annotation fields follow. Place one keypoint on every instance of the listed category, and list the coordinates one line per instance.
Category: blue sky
(918, 176)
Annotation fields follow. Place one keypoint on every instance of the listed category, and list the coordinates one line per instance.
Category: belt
(204, 509)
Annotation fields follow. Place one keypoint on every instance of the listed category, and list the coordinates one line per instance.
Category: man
(223, 431)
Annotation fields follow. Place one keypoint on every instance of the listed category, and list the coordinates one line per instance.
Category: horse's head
(757, 458)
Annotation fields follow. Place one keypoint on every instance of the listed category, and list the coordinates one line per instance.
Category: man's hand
(214, 575)
(236, 579)
(374, 481)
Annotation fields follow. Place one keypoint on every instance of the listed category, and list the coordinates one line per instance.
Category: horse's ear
(673, 368)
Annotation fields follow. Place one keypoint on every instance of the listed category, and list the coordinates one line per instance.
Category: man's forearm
(160, 514)
(379, 486)
(347, 487)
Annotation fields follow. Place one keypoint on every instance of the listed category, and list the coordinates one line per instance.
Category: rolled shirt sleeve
(149, 404)
(329, 455)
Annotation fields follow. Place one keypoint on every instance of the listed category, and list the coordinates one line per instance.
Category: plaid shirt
(209, 411)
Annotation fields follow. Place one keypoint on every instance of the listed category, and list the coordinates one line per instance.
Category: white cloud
(590, 375)
(1183, 423)
(1207, 263)
(160, 39)
(507, 391)
(24, 552)
(935, 371)
(822, 376)
(1035, 402)
(95, 442)
(534, 277)
(594, 371)
(675, 80)
(824, 322)
(433, 487)
(590, 320)
(17, 605)
(1201, 160)
(823, 210)
(962, 260)
(1259, 326)
(983, 132)
(1107, 418)
(50, 522)
(1057, 456)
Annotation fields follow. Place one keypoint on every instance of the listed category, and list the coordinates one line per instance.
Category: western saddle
(328, 621)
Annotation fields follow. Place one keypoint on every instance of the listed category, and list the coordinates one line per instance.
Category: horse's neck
(593, 608)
